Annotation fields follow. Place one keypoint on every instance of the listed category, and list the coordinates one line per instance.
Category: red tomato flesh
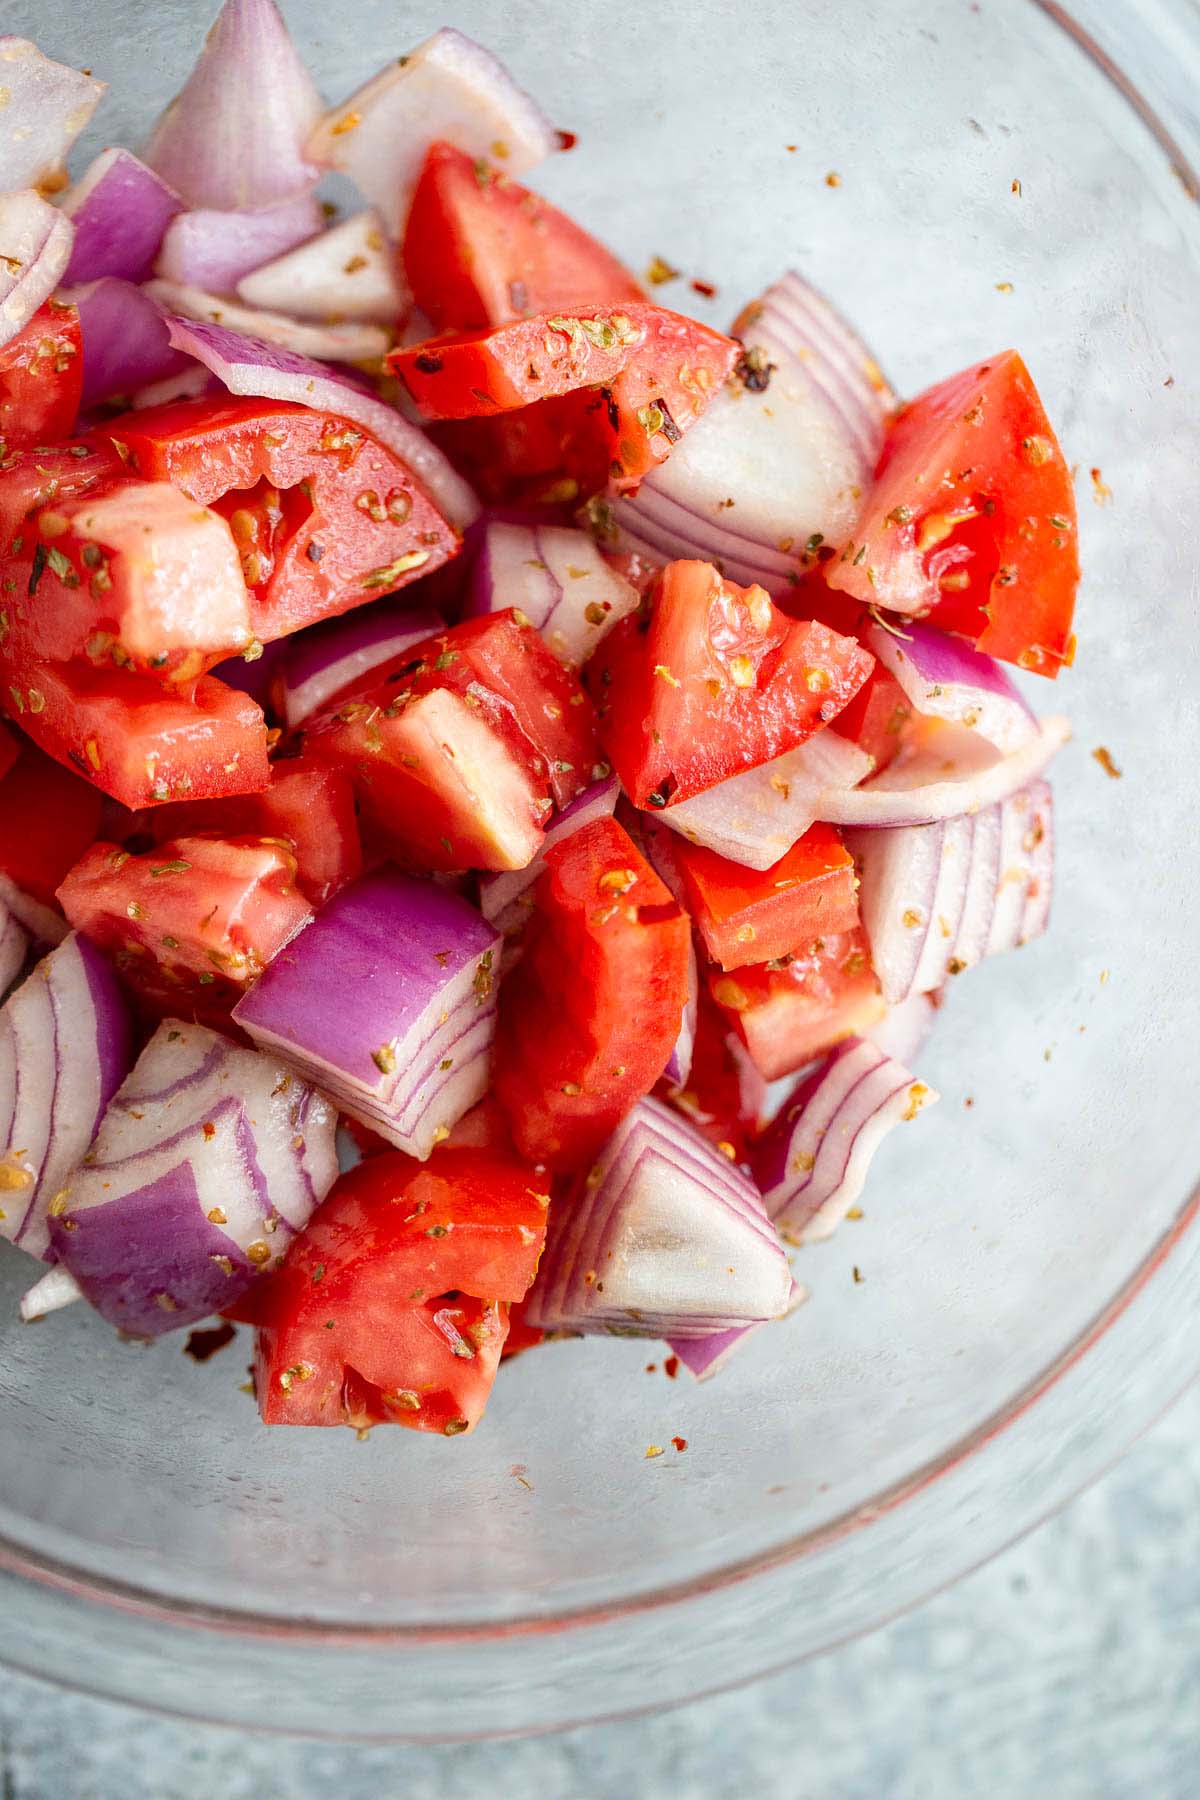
(589, 1016)
(787, 1014)
(972, 520)
(9, 751)
(725, 1095)
(715, 681)
(48, 817)
(480, 249)
(548, 454)
(190, 924)
(41, 378)
(766, 913)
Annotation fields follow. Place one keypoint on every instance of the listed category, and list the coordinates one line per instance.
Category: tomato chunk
(548, 454)
(790, 1011)
(972, 521)
(655, 371)
(390, 1306)
(48, 817)
(766, 913)
(590, 1014)
(324, 515)
(480, 249)
(41, 378)
(715, 681)
(308, 810)
(190, 924)
(9, 751)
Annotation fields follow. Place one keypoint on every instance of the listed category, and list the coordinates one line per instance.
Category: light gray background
(1069, 1667)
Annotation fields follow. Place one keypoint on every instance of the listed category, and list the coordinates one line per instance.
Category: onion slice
(946, 678)
(348, 272)
(35, 248)
(14, 948)
(208, 1160)
(411, 1054)
(506, 896)
(46, 106)
(449, 88)
(50, 1293)
(212, 250)
(325, 343)
(557, 577)
(45, 924)
(246, 366)
(812, 1161)
(662, 1238)
(234, 134)
(65, 1048)
(705, 1357)
(903, 1029)
(120, 210)
(126, 344)
(329, 661)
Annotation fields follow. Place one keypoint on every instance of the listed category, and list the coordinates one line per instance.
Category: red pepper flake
(1104, 757)
(705, 288)
(650, 1368)
(1101, 492)
(567, 140)
(791, 148)
(203, 1344)
(671, 1367)
(833, 179)
(680, 1444)
(969, 1101)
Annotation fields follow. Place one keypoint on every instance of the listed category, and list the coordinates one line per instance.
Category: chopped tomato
(654, 370)
(324, 516)
(480, 249)
(589, 1016)
(716, 680)
(766, 913)
(190, 924)
(389, 1308)
(41, 378)
(308, 810)
(485, 1127)
(520, 1335)
(548, 454)
(791, 1010)
(48, 817)
(971, 520)
(135, 741)
(876, 717)
(725, 1096)
(459, 753)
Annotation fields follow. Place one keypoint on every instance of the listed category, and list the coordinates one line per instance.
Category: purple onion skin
(114, 1026)
(120, 224)
(145, 1260)
(254, 678)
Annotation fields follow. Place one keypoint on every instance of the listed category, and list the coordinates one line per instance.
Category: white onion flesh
(348, 272)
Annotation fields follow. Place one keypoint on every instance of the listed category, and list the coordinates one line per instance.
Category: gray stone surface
(1070, 1667)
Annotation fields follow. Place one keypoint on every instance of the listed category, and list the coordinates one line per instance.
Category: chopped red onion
(46, 106)
(36, 241)
(328, 661)
(120, 210)
(705, 1357)
(190, 383)
(348, 272)
(449, 88)
(662, 1238)
(812, 1161)
(946, 678)
(208, 1161)
(557, 577)
(936, 899)
(14, 948)
(212, 250)
(506, 895)
(65, 1048)
(44, 924)
(904, 1027)
(50, 1293)
(412, 1053)
(126, 344)
(246, 366)
(324, 343)
(234, 134)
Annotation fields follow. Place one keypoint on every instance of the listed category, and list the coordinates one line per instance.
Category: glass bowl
(1028, 1278)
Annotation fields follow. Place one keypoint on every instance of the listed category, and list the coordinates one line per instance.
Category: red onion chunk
(324, 343)
(234, 134)
(208, 1161)
(812, 1161)
(557, 577)
(46, 106)
(348, 272)
(50, 1293)
(705, 1357)
(663, 1238)
(449, 88)
(770, 471)
(387, 1002)
(946, 678)
(506, 896)
(256, 677)
(65, 1048)
(126, 344)
(679, 1064)
(188, 383)
(330, 659)
(45, 924)
(213, 250)
(248, 366)
(944, 773)
(936, 899)
(902, 1031)
(755, 818)
(14, 948)
(36, 240)
(120, 210)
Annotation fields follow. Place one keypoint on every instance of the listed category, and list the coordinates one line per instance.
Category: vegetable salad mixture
(457, 700)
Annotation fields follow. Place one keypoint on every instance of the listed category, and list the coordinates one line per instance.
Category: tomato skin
(589, 1016)
(325, 516)
(786, 1016)
(41, 378)
(479, 249)
(972, 519)
(48, 817)
(767, 913)
(190, 924)
(716, 680)
(132, 739)
(308, 809)
(655, 371)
